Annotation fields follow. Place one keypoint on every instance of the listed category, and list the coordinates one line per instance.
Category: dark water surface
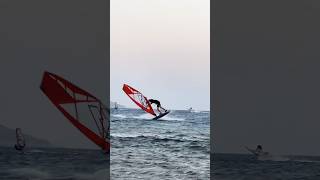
(174, 147)
(247, 167)
(52, 164)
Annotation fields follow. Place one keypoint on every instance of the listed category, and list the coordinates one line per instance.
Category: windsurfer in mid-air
(153, 101)
(258, 151)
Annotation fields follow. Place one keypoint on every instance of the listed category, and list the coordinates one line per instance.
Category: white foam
(306, 160)
(123, 135)
(36, 151)
(143, 116)
(172, 118)
(122, 116)
(165, 118)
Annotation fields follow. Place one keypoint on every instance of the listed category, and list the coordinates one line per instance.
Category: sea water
(247, 167)
(174, 147)
(53, 164)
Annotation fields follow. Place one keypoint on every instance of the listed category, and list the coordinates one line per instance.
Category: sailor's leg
(163, 108)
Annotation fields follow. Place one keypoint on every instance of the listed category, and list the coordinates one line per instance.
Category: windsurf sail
(21, 143)
(86, 112)
(139, 99)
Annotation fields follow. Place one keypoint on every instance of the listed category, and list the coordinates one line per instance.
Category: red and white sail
(70, 100)
(138, 98)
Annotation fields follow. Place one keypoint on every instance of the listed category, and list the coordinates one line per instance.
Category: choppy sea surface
(247, 167)
(53, 164)
(174, 147)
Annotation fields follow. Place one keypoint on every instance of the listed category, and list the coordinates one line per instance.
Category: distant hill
(8, 138)
(112, 104)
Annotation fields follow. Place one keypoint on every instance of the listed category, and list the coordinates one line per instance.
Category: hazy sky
(69, 39)
(266, 76)
(162, 49)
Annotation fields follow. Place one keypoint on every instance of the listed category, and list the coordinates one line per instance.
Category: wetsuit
(153, 101)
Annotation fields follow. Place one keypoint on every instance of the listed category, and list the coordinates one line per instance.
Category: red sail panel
(138, 98)
(61, 91)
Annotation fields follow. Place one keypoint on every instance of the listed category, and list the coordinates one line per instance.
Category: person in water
(153, 101)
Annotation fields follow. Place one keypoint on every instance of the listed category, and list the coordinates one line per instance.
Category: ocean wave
(176, 142)
(153, 137)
